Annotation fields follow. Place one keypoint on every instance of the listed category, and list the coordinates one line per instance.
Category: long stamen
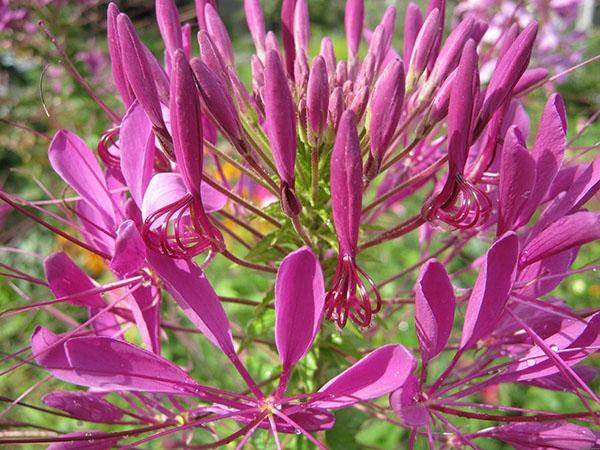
(349, 297)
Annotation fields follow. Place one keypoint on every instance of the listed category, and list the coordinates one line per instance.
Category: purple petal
(299, 301)
(517, 177)
(567, 232)
(130, 250)
(346, 184)
(145, 306)
(406, 403)
(280, 117)
(434, 309)
(186, 282)
(84, 406)
(545, 435)
(572, 344)
(137, 151)
(548, 151)
(552, 268)
(167, 187)
(491, 290)
(106, 363)
(380, 372)
(65, 278)
(90, 220)
(71, 158)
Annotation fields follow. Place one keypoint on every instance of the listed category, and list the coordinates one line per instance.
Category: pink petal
(567, 232)
(434, 309)
(380, 372)
(491, 290)
(65, 278)
(573, 343)
(548, 151)
(554, 435)
(405, 402)
(113, 364)
(299, 301)
(517, 177)
(186, 282)
(84, 406)
(71, 158)
(137, 148)
(130, 250)
(167, 187)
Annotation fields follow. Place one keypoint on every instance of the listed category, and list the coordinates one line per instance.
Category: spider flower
(182, 228)
(353, 294)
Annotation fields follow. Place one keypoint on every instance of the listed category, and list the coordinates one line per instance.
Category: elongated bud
(210, 55)
(354, 21)
(352, 294)
(287, 34)
(169, 25)
(317, 99)
(422, 49)
(186, 38)
(385, 110)
(510, 69)
(328, 55)
(218, 33)
(139, 76)
(336, 107)
(200, 4)
(301, 27)
(186, 123)
(341, 73)
(217, 99)
(450, 53)
(280, 118)
(346, 184)
(388, 22)
(530, 78)
(441, 6)
(441, 101)
(116, 60)
(413, 21)
(375, 55)
(460, 110)
(256, 25)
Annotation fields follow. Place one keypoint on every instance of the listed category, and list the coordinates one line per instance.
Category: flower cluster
(323, 158)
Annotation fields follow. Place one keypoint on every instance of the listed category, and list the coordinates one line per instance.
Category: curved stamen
(182, 230)
(468, 206)
(106, 141)
(351, 295)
